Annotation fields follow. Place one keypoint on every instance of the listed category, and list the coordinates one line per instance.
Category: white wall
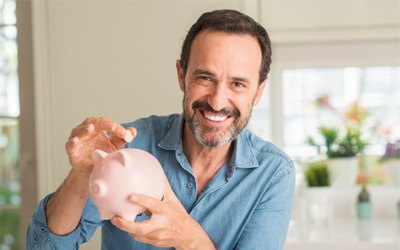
(311, 21)
(103, 58)
(117, 58)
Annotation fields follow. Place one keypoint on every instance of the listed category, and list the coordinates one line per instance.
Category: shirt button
(189, 185)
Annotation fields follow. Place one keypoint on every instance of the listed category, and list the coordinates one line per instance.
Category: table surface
(342, 229)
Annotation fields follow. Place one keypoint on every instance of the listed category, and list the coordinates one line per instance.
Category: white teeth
(216, 118)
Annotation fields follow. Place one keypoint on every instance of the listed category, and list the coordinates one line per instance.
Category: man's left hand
(169, 225)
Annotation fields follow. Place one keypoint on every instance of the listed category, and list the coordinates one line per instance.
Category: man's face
(220, 86)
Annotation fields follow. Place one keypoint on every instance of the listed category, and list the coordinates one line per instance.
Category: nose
(219, 97)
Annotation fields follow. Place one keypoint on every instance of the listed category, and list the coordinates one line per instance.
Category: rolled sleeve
(40, 237)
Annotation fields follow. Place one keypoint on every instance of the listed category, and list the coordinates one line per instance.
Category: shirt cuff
(39, 235)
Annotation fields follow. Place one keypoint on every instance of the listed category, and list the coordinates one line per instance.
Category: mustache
(228, 111)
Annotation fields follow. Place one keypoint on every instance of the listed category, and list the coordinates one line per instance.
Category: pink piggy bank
(117, 175)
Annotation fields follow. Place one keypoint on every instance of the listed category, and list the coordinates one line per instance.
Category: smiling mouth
(215, 117)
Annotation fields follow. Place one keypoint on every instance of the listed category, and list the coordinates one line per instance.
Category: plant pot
(343, 171)
(364, 210)
(319, 204)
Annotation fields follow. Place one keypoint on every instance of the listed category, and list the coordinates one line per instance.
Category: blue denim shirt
(246, 205)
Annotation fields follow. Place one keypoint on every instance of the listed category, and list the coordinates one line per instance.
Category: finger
(83, 131)
(170, 197)
(135, 228)
(117, 142)
(120, 142)
(89, 119)
(105, 124)
(124, 225)
(70, 144)
(73, 148)
(142, 239)
(149, 203)
(133, 131)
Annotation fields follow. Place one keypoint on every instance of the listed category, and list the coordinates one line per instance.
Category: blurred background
(332, 102)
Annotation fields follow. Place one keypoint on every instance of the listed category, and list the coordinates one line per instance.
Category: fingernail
(90, 127)
(75, 140)
(128, 136)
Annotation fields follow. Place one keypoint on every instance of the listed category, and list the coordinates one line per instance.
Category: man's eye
(205, 78)
(238, 85)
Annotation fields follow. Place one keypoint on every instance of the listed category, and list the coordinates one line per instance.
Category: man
(227, 189)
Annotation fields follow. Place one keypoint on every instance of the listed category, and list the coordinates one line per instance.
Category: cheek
(195, 92)
(192, 86)
(243, 104)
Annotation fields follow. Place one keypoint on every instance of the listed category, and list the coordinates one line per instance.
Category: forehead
(226, 50)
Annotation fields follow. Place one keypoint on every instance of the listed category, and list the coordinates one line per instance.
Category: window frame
(322, 55)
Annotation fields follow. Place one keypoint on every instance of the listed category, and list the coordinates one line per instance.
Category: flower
(345, 140)
(362, 178)
(356, 113)
(324, 102)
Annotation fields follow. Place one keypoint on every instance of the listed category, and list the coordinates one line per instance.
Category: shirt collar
(173, 137)
(243, 155)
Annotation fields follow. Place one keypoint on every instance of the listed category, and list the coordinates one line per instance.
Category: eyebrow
(203, 72)
(209, 73)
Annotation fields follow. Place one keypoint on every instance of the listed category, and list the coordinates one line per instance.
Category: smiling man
(220, 85)
(226, 189)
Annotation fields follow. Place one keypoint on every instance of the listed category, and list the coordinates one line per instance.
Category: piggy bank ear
(98, 155)
(124, 158)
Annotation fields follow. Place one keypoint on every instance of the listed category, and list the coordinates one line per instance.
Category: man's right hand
(94, 133)
(64, 209)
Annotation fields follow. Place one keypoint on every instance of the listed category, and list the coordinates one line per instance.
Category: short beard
(198, 129)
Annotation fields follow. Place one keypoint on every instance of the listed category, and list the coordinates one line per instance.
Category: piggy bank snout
(98, 188)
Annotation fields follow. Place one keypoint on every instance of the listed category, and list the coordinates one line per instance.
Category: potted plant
(340, 147)
(341, 151)
(318, 194)
(364, 206)
(342, 144)
(317, 174)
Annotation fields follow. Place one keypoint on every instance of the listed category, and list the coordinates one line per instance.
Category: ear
(124, 158)
(98, 155)
(260, 92)
(181, 75)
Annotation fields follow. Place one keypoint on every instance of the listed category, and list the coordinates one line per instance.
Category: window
(321, 97)
(9, 141)
(314, 85)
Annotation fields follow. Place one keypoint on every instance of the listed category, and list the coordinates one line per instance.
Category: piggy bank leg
(105, 214)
